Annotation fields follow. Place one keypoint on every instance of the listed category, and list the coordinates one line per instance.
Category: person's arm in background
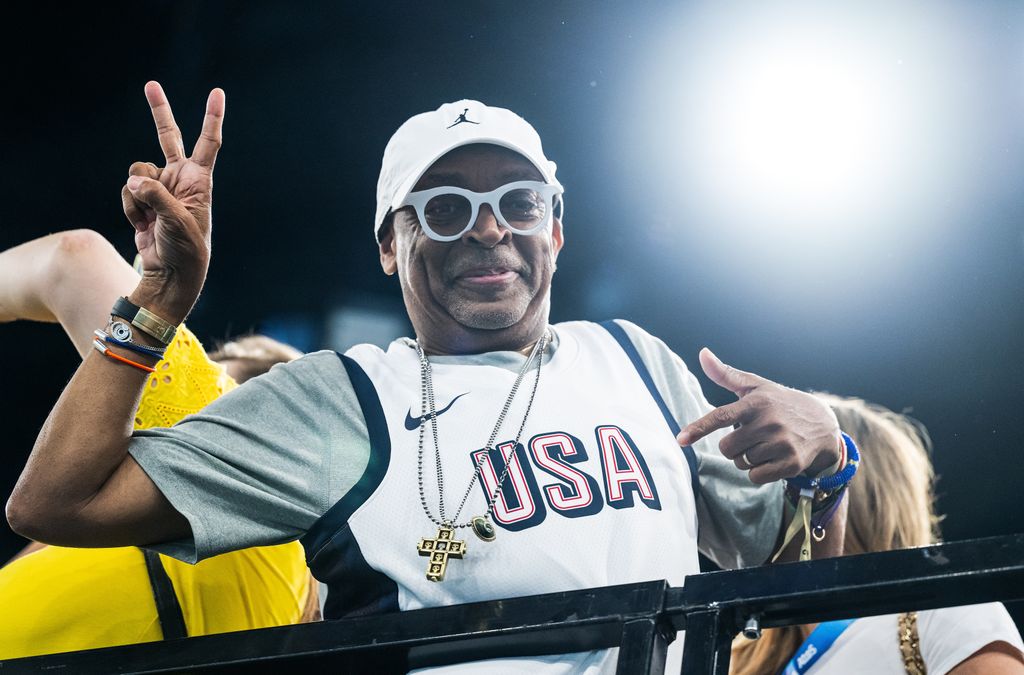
(32, 547)
(80, 487)
(970, 640)
(71, 278)
(995, 658)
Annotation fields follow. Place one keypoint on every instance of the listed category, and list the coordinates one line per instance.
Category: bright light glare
(795, 128)
(790, 127)
(807, 123)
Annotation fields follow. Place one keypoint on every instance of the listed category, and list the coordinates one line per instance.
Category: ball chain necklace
(444, 546)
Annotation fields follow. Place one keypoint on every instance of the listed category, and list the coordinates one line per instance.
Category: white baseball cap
(425, 138)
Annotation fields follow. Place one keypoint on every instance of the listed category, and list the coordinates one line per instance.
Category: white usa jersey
(598, 492)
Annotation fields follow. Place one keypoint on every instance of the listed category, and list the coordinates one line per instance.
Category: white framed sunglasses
(446, 213)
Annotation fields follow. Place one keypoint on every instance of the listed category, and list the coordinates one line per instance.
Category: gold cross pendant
(444, 546)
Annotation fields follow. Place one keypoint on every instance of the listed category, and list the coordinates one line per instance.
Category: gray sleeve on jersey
(260, 464)
(738, 522)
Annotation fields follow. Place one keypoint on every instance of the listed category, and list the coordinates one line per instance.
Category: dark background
(914, 304)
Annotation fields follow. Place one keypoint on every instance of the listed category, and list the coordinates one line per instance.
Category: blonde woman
(891, 507)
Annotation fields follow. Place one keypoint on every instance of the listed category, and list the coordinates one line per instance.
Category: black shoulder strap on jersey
(335, 518)
(172, 621)
(622, 338)
(333, 554)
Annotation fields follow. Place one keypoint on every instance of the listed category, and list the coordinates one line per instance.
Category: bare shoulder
(995, 658)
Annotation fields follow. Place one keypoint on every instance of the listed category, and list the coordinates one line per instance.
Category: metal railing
(641, 619)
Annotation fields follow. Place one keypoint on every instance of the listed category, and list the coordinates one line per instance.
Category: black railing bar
(643, 647)
(706, 650)
(952, 561)
(578, 637)
(580, 620)
(257, 647)
(924, 588)
(875, 583)
(773, 613)
(504, 623)
(187, 655)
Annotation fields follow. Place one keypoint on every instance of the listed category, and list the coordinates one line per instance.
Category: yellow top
(65, 599)
(184, 382)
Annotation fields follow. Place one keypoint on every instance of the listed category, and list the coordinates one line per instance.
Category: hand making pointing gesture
(170, 208)
(779, 432)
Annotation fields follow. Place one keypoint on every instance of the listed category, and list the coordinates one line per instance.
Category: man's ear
(557, 237)
(388, 256)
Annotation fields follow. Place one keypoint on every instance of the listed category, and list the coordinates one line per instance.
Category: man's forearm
(78, 486)
(81, 444)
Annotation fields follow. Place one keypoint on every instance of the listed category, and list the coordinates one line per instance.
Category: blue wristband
(138, 349)
(836, 480)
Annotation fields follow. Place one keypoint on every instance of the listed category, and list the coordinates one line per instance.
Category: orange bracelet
(102, 349)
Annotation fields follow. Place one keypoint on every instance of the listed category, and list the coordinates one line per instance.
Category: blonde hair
(892, 505)
(254, 354)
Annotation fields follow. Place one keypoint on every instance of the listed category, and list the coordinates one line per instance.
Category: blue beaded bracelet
(138, 349)
(836, 480)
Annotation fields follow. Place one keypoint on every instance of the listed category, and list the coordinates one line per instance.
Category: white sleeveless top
(599, 492)
(870, 646)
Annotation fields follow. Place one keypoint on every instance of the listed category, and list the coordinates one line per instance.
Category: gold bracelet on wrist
(145, 320)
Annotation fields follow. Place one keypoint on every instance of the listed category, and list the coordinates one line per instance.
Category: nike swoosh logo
(413, 423)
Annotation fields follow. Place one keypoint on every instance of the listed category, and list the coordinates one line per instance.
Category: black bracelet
(145, 320)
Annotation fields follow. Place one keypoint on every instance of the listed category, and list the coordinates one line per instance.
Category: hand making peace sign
(170, 208)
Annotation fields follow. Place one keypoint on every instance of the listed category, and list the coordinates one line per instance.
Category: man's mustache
(493, 260)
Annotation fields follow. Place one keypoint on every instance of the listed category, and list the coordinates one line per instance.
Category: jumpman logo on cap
(460, 119)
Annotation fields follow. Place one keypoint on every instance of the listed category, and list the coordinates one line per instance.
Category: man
(384, 462)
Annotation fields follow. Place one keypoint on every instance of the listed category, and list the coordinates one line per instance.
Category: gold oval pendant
(483, 529)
